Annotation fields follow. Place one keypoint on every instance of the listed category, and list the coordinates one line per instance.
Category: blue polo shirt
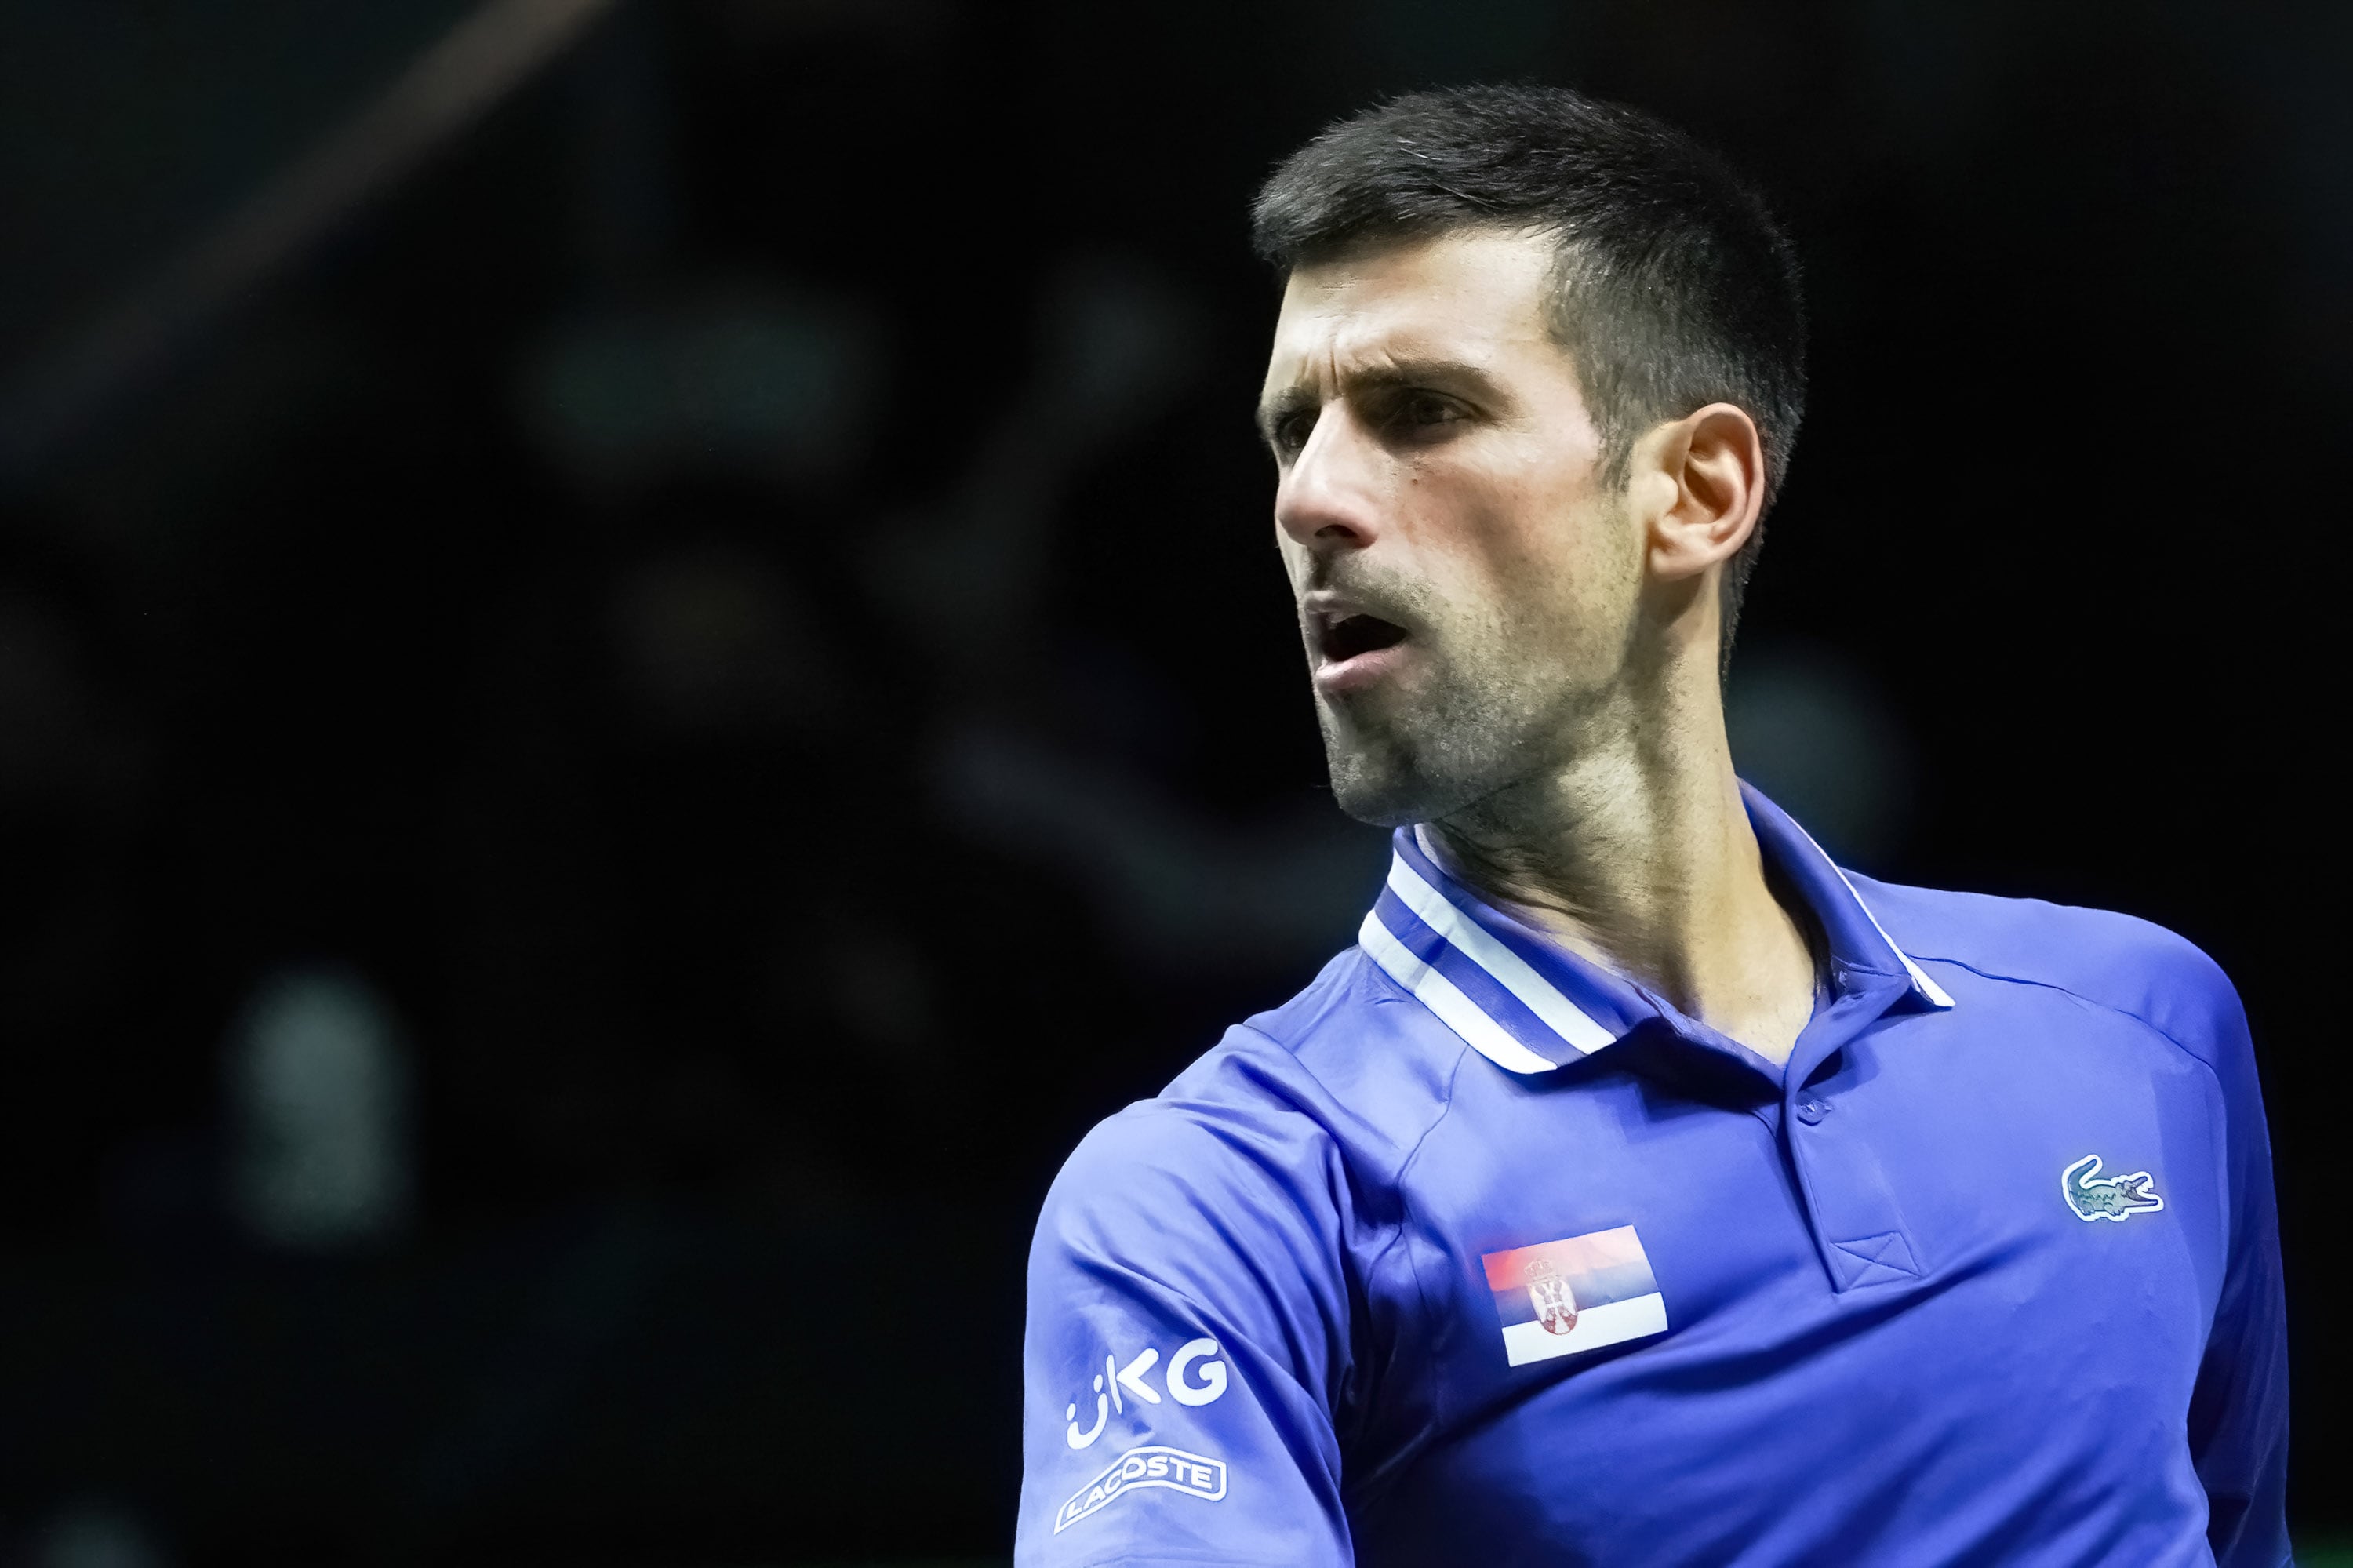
(1477, 1253)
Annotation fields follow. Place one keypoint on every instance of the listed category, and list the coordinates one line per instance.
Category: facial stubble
(1474, 721)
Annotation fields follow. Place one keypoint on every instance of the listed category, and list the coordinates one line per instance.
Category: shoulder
(1158, 1160)
(1298, 1119)
(1231, 1198)
(2111, 961)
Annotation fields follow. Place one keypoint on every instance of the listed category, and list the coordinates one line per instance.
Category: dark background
(609, 748)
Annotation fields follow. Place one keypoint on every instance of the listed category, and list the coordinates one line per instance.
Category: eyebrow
(1443, 375)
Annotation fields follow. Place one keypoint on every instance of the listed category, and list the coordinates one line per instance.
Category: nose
(1326, 501)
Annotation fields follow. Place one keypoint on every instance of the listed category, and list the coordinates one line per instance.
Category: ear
(1702, 481)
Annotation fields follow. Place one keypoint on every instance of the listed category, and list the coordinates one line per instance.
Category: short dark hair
(1674, 289)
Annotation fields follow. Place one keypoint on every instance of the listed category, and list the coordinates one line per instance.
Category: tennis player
(1641, 1188)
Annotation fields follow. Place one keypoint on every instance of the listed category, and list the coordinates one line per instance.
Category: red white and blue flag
(1559, 1298)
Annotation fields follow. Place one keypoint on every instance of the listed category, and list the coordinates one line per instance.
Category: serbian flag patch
(1559, 1298)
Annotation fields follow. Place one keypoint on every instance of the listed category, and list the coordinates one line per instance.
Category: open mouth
(1353, 634)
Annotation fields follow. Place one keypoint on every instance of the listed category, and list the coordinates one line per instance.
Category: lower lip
(1342, 677)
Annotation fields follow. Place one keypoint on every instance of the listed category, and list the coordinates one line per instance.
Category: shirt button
(1810, 1110)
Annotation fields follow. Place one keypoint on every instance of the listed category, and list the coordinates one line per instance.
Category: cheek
(1552, 571)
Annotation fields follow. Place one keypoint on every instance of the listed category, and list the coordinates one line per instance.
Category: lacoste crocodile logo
(2096, 1197)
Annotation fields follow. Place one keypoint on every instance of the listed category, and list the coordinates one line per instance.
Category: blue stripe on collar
(1526, 1004)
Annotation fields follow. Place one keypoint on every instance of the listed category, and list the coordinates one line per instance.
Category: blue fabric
(1350, 1291)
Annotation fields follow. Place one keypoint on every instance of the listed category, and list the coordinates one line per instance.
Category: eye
(1420, 413)
(1291, 431)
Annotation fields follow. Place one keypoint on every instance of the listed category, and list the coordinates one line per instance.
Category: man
(1642, 1189)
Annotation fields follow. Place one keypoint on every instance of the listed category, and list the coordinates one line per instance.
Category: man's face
(1466, 583)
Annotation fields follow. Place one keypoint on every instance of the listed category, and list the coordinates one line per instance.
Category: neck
(1637, 853)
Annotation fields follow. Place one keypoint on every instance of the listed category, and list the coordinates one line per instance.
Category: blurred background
(640, 667)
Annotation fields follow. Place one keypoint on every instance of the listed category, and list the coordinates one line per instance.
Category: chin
(1391, 780)
(1379, 766)
(1384, 786)
(1376, 803)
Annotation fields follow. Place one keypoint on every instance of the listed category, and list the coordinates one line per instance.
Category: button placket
(1858, 1225)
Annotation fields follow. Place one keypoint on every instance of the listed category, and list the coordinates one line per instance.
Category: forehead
(1476, 298)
